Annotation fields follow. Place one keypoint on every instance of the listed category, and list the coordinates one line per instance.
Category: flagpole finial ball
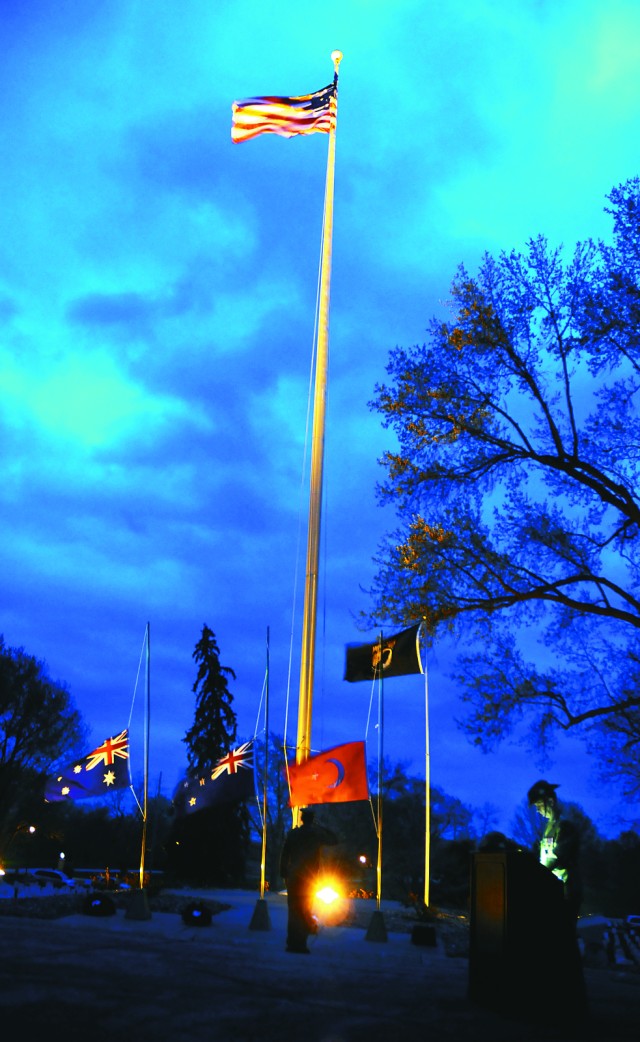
(336, 57)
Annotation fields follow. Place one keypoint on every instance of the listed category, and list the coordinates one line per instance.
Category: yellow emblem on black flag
(395, 656)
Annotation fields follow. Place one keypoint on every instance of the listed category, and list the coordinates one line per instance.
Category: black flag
(395, 656)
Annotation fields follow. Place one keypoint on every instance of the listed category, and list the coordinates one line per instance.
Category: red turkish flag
(338, 775)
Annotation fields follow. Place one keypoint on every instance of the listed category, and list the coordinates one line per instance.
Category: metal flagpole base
(260, 918)
(377, 930)
(138, 905)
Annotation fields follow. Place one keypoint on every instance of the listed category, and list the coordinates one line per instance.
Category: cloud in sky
(157, 291)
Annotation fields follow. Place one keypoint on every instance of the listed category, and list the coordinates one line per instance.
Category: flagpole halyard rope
(303, 479)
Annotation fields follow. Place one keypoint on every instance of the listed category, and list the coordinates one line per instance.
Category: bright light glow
(330, 906)
(328, 895)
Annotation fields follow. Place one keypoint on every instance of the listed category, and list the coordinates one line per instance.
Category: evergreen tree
(214, 729)
(210, 847)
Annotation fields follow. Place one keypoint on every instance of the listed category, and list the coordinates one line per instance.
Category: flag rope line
(303, 482)
(264, 695)
(133, 699)
(265, 776)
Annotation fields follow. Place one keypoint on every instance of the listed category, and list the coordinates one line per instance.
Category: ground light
(330, 906)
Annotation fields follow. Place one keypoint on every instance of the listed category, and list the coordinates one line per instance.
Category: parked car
(53, 877)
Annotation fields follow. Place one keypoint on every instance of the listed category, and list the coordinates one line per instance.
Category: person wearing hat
(559, 851)
(299, 867)
(559, 846)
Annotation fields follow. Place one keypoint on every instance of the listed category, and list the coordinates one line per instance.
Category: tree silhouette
(214, 730)
(210, 847)
(516, 483)
(39, 726)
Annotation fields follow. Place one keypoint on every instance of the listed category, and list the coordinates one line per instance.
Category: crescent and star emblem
(340, 777)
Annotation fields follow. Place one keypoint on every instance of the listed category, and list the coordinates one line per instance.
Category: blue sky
(157, 292)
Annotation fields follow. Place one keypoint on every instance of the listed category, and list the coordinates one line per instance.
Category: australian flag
(101, 771)
(230, 780)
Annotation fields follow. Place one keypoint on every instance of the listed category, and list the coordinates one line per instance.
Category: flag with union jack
(102, 770)
(305, 114)
(230, 780)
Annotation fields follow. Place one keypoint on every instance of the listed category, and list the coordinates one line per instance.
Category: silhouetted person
(559, 847)
(559, 851)
(299, 867)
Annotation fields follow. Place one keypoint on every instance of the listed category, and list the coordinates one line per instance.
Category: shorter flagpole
(380, 773)
(427, 800)
(265, 780)
(139, 905)
(260, 919)
(145, 800)
(377, 930)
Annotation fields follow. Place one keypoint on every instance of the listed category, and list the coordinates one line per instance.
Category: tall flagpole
(307, 660)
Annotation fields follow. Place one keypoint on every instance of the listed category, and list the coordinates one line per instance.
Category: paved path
(137, 980)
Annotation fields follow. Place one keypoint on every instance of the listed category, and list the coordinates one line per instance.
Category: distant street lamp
(22, 829)
(30, 829)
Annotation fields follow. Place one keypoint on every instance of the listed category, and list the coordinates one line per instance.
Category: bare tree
(516, 485)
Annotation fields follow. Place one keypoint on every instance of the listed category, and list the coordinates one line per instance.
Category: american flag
(306, 114)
